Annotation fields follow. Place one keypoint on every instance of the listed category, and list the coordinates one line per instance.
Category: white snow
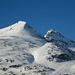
(25, 51)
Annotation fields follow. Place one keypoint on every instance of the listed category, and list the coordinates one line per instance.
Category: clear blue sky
(42, 15)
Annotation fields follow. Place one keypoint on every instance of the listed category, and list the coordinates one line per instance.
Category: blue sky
(42, 15)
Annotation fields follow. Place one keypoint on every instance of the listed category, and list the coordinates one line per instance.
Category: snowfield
(24, 51)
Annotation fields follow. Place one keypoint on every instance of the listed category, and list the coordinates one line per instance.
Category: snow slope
(24, 51)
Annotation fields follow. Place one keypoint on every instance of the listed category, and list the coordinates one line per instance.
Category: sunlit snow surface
(23, 51)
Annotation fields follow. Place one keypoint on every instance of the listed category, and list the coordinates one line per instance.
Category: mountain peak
(21, 22)
(13, 29)
(53, 34)
(20, 29)
(51, 31)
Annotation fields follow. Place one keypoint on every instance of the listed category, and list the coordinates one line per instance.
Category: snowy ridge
(17, 29)
(13, 28)
(24, 51)
(56, 37)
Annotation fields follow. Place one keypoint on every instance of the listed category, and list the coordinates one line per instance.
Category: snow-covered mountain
(24, 51)
(56, 37)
